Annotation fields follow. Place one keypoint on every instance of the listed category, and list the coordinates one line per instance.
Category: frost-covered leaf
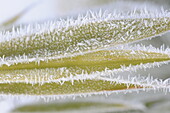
(73, 57)
(76, 75)
(92, 32)
(136, 102)
(81, 64)
(58, 88)
(40, 60)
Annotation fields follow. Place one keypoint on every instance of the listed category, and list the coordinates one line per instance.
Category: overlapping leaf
(71, 57)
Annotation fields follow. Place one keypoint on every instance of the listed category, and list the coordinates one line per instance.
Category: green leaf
(73, 106)
(92, 32)
(56, 88)
(73, 75)
(82, 64)
(72, 57)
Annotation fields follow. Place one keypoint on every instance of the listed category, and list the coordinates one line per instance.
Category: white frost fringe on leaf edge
(24, 59)
(147, 83)
(131, 68)
(48, 98)
(140, 47)
(81, 19)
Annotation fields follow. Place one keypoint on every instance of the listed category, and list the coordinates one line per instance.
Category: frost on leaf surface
(76, 75)
(92, 32)
(72, 57)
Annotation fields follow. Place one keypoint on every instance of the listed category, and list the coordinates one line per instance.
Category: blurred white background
(44, 9)
(40, 10)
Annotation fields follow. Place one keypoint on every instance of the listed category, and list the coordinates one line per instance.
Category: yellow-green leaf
(92, 32)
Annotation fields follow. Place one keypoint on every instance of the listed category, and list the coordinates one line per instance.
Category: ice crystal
(83, 56)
